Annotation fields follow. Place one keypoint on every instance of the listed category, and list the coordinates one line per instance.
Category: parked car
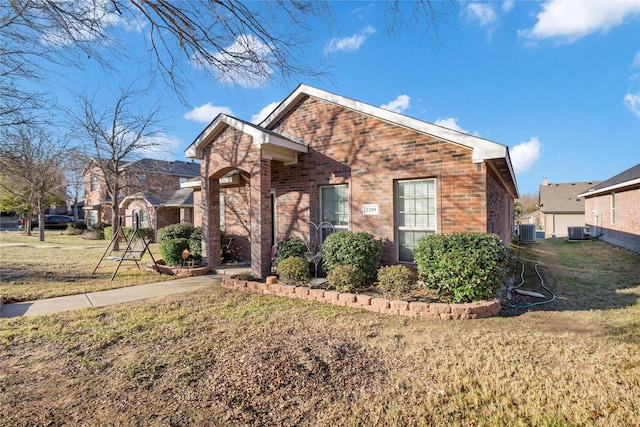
(57, 222)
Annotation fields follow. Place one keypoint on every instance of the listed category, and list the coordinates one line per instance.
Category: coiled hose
(533, 304)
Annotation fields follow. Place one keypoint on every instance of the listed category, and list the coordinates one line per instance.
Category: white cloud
(482, 12)
(206, 112)
(450, 123)
(349, 44)
(636, 61)
(632, 101)
(507, 5)
(98, 16)
(525, 154)
(570, 20)
(257, 118)
(245, 63)
(160, 146)
(399, 105)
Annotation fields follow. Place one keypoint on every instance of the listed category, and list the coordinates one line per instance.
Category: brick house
(323, 158)
(561, 207)
(150, 187)
(612, 209)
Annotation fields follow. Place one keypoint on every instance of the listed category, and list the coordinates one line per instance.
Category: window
(91, 217)
(182, 180)
(143, 218)
(613, 208)
(95, 185)
(142, 178)
(415, 206)
(334, 208)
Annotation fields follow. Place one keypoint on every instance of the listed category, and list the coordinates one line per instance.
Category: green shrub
(147, 233)
(182, 230)
(291, 247)
(358, 249)
(195, 243)
(468, 266)
(394, 280)
(107, 232)
(345, 278)
(75, 228)
(294, 270)
(171, 251)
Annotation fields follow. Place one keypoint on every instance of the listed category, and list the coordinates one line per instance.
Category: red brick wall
(231, 150)
(370, 155)
(625, 231)
(238, 218)
(500, 218)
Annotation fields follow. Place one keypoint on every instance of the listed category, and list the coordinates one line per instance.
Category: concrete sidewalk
(110, 297)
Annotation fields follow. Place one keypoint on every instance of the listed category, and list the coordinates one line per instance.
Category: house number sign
(370, 209)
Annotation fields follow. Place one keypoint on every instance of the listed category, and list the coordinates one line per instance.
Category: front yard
(222, 357)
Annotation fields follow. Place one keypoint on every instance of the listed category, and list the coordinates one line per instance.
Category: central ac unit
(578, 233)
(527, 232)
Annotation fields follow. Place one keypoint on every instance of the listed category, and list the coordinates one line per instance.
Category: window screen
(415, 214)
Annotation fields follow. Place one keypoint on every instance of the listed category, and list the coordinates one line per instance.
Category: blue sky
(558, 82)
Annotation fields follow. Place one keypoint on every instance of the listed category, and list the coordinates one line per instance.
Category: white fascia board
(191, 184)
(259, 136)
(610, 188)
(482, 149)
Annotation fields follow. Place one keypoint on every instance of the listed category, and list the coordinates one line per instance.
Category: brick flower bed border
(179, 271)
(476, 310)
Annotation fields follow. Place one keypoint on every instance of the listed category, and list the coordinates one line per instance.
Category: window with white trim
(334, 208)
(415, 209)
(613, 208)
(95, 184)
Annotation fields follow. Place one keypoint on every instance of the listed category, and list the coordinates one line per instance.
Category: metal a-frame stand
(135, 248)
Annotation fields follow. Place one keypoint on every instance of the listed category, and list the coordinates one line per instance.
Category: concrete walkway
(118, 296)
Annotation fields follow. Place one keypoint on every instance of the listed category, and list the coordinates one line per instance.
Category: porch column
(261, 220)
(211, 223)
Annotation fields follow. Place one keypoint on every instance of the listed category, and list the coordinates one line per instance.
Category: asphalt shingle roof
(176, 167)
(629, 175)
(563, 197)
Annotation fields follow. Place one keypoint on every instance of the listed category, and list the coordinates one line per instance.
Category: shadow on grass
(589, 275)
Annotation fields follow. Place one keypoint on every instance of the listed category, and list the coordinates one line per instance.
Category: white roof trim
(260, 136)
(610, 188)
(482, 149)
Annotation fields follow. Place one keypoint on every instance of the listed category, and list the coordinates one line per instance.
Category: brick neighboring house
(150, 187)
(561, 207)
(321, 157)
(612, 209)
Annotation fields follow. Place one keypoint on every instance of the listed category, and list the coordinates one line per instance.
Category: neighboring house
(612, 209)
(158, 209)
(561, 207)
(342, 164)
(153, 180)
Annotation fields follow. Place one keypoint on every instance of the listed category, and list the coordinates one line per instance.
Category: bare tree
(230, 40)
(116, 134)
(32, 170)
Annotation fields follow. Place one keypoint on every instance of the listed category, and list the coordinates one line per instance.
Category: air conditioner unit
(578, 233)
(527, 232)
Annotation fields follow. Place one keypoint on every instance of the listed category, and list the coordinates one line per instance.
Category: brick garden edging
(475, 310)
(178, 271)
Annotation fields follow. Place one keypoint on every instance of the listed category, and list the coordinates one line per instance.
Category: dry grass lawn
(222, 357)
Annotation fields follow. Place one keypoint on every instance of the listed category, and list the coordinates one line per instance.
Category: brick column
(261, 220)
(211, 222)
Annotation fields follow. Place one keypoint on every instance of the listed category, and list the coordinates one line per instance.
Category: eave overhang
(272, 145)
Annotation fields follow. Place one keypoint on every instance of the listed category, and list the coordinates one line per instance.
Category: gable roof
(274, 146)
(483, 150)
(169, 198)
(176, 167)
(624, 179)
(563, 198)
